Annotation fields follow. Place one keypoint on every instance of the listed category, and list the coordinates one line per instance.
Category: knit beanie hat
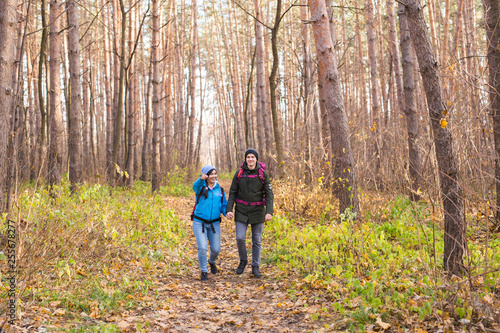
(207, 169)
(252, 151)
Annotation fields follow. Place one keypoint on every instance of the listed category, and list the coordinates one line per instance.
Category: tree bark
(455, 243)
(262, 106)
(410, 107)
(376, 125)
(273, 87)
(75, 166)
(56, 127)
(155, 163)
(344, 187)
(492, 15)
(192, 80)
(7, 67)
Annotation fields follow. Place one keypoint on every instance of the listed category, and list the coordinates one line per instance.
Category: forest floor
(177, 301)
(126, 261)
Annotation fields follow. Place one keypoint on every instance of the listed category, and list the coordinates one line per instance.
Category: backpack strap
(197, 200)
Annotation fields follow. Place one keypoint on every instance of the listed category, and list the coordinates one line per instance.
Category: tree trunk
(376, 125)
(410, 107)
(345, 187)
(262, 106)
(273, 87)
(492, 15)
(75, 166)
(56, 127)
(7, 67)
(310, 132)
(192, 81)
(155, 163)
(455, 242)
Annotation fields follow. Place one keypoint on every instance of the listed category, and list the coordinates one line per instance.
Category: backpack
(261, 173)
(262, 179)
(202, 219)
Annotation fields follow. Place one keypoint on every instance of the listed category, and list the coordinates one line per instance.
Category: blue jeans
(241, 233)
(201, 242)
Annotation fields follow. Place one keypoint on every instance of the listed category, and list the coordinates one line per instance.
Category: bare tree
(409, 105)
(155, 181)
(56, 134)
(75, 166)
(455, 242)
(492, 13)
(343, 166)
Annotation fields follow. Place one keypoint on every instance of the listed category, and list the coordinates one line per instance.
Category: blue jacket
(211, 207)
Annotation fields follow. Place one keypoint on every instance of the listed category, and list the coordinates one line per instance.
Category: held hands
(268, 217)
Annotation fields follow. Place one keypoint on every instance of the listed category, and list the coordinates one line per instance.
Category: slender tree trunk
(307, 93)
(345, 187)
(455, 241)
(410, 107)
(107, 70)
(131, 110)
(155, 163)
(262, 106)
(75, 166)
(376, 125)
(192, 80)
(41, 101)
(273, 87)
(492, 15)
(56, 134)
(8, 25)
(147, 128)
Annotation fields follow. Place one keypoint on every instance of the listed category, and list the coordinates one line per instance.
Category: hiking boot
(255, 272)
(241, 266)
(213, 268)
(204, 276)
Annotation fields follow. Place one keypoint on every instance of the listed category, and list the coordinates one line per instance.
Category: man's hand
(230, 215)
(268, 217)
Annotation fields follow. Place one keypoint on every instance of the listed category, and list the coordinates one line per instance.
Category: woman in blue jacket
(210, 203)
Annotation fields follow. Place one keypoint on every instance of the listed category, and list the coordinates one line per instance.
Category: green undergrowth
(94, 252)
(388, 268)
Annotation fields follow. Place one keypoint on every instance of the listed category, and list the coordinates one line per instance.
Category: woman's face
(251, 160)
(212, 177)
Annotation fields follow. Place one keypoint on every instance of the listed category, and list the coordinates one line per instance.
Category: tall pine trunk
(410, 106)
(56, 127)
(7, 67)
(455, 242)
(344, 187)
(492, 13)
(155, 163)
(75, 166)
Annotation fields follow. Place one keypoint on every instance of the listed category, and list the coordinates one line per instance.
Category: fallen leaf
(60, 312)
(380, 323)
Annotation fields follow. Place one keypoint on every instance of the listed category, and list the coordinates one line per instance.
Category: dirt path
(227, 302)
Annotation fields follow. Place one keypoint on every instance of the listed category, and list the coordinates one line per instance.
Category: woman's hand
(204, 176)
(268, 217)
(229, 215)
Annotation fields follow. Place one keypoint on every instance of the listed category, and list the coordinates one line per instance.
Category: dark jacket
(251, 190)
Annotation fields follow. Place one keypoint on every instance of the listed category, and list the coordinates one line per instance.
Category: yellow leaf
(380, 323)
(443, 122)
(60, 312)
(343, 150)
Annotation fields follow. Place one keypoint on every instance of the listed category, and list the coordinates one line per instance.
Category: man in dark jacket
(252, 192)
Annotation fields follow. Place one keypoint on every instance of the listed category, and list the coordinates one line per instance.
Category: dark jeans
(241, 233)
